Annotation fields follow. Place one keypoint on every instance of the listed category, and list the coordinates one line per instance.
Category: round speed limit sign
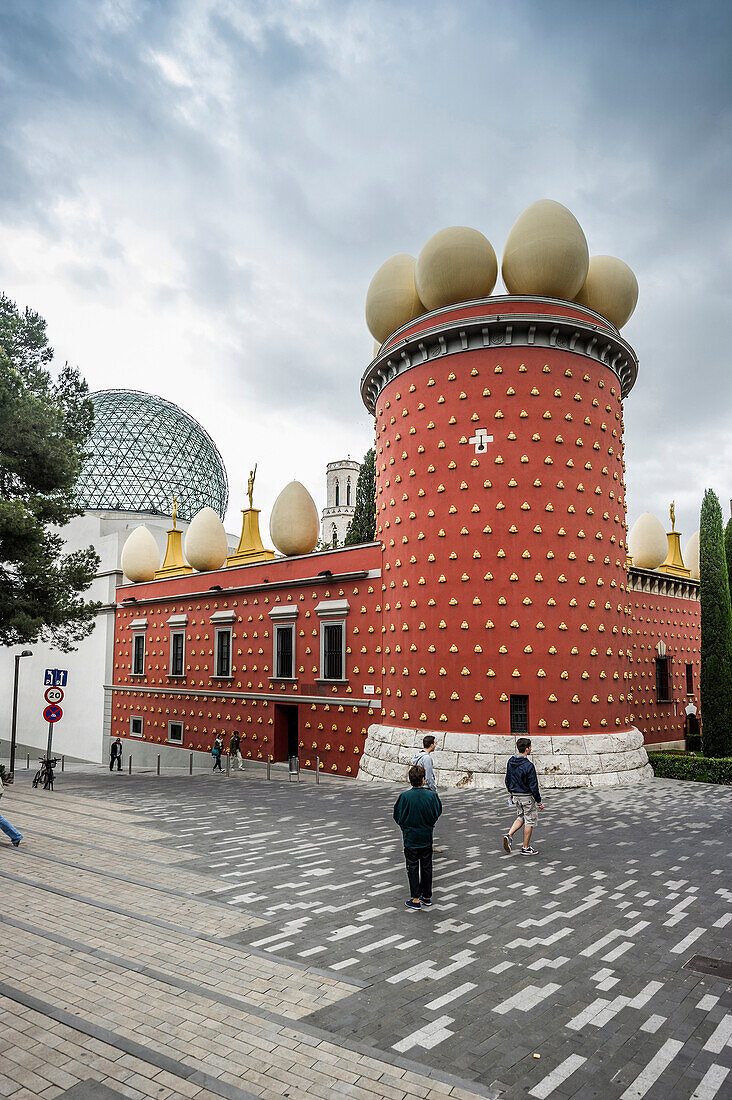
(53, 695)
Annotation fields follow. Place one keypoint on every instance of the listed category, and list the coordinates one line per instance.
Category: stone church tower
(341, 500)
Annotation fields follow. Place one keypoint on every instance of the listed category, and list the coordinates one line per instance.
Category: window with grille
(135, 727)
(519, 714)
(223, 652)
(138, 655)
(175, 732)
(284, 656)
(663, 680)
(333, 640)
(689, 679)
(177, 653)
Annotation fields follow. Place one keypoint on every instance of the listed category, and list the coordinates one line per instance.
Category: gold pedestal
(174, 564)
(250, 548)
(674, 563)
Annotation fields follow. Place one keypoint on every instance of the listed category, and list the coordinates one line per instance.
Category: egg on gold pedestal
(691, 556)
(546, 252)
(140, 556)
(294, 524)
(206, 545)
(456, 265)
(647, 542)
(610, 288)
(392, 298)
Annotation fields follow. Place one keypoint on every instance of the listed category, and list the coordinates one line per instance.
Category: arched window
(335, 536)
(337, 494)
(348, 493)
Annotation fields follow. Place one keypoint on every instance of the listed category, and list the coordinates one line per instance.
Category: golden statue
(175, 509)
(672, 514)
(250, 484)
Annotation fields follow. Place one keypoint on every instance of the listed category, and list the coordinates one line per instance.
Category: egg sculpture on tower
(500, 504)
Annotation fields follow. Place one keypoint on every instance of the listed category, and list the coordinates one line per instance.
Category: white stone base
(476, 761)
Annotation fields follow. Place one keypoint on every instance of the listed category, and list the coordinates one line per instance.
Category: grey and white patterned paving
(556, 976)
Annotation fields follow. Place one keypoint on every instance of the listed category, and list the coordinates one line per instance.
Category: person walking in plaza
(522, 785)
(416, 812)
(115, 754)
(423, 759)
(216, 751)
(15, 835)
(235, 749)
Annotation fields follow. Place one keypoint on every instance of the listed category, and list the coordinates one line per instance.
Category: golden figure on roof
(174, 513)
(250, 484)
(672, 514)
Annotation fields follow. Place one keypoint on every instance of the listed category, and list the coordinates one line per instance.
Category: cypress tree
(716, 632)
(728, 552)
(363, 524)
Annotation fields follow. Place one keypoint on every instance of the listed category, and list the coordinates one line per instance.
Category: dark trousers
(217, 763)
(419, 871)
(118, 760)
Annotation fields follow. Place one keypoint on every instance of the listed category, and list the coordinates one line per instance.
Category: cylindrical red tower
(500, 506)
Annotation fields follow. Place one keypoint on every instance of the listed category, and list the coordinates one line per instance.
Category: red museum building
(497, 600)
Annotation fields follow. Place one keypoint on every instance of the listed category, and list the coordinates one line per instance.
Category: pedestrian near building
(523, 790)
(423, 759)
(216, 751)
(15, 835)
(235, 749)
(416, 812)
(115, 754)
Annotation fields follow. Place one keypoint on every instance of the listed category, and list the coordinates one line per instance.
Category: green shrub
(702, 769)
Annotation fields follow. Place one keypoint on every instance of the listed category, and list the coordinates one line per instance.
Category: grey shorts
(526, 808)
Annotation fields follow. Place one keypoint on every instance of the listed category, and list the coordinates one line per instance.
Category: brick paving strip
(247, 939)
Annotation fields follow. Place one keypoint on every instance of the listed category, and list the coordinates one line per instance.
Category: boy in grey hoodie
(423, 759)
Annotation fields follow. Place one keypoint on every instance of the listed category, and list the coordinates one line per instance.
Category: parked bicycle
(44, 774)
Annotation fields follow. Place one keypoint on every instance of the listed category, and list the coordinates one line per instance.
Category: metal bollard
(228, 764)
(129, 765)
(269, 766)
(298, 768)
(190, 764)
(158, 763)
(27, 761)
(63, 761)
(317, 769)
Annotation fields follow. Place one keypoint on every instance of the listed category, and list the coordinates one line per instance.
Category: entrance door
(285, 732)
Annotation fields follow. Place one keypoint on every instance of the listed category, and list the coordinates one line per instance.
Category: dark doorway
(285, 732)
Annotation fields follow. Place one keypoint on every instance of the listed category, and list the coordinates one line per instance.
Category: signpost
(55, 679)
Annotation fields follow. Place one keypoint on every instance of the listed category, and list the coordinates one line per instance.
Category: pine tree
(363, 524)
(716, 632)
(44, 427)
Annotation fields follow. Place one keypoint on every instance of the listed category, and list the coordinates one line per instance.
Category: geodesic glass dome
(143, 450)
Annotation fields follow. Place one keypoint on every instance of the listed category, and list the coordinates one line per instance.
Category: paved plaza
(211, 937)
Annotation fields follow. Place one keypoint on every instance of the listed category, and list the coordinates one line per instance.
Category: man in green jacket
(416, 812)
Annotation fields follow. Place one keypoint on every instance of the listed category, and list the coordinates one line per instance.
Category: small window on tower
(663, 680)
(348, 493)
(689, 679)
(519, 714)
(337, 493)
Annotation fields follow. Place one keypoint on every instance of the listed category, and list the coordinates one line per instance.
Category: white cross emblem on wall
(481, 439)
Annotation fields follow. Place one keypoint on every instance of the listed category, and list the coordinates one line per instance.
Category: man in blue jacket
(523, 788)
(415, 812)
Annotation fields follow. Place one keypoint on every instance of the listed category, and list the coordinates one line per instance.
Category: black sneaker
(16, 843)
(507, 843)
(529, 851)
(426, 901)
(412, 905)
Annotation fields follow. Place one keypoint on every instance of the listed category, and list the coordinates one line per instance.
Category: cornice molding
(585, 338)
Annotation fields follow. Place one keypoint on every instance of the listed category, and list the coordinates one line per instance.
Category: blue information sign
(56, 677)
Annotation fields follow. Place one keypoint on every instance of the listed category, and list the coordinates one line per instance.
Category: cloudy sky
(196, 193)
